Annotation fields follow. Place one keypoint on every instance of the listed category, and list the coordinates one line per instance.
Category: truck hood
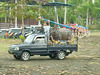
(20, 45)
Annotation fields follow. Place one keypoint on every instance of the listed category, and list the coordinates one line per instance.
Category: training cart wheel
(61, 55)
(25, 56)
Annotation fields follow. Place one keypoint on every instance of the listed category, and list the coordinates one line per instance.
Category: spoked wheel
(61, 55)
(16, 57)
(5, 37)
(25, 56)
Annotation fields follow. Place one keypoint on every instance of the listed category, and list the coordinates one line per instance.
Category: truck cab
(39, 44)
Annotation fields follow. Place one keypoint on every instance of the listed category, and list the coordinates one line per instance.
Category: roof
(40, 1)
(57, 4)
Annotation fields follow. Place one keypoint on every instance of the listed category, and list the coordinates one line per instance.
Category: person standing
(47, 27)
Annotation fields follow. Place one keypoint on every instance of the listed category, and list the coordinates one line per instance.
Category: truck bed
(63, 47)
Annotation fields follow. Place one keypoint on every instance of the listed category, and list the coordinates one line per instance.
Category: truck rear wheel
(61, 55)
(25, 56)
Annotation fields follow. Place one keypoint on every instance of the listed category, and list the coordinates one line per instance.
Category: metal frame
(59, 4)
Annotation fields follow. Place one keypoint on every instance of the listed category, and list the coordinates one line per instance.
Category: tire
(16, 57)
(52, 56)
(5, 36)
(61, 55)
(25, 56)
(13, 37)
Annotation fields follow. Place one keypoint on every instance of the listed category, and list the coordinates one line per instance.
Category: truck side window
(40, 40)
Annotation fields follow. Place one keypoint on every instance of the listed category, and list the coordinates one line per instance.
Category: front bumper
(14, 52)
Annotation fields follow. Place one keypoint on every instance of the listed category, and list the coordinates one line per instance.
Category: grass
(4, 47)
(5, 43)
(95, 32)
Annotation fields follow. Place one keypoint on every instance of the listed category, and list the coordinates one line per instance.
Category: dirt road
(84, 62)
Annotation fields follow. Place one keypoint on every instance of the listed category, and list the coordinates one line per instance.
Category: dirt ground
(84, 62)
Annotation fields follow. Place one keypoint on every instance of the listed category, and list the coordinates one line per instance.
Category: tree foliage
(83, 11)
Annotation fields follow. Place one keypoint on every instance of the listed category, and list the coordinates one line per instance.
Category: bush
(94, 27)
(22, 38)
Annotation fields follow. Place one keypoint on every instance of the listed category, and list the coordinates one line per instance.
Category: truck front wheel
(25, 56)
(61, 55)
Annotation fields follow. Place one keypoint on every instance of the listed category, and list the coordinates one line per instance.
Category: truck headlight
(16, 48)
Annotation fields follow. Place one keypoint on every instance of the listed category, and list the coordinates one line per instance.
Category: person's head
(47, 23)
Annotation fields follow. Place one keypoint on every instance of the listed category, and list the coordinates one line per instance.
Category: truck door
(40, 45)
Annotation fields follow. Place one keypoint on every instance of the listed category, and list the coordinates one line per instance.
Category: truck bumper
(15, 52)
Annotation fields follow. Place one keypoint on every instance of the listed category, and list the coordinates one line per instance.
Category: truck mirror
(33, 42)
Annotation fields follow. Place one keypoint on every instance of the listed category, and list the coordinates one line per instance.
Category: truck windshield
(29, 39)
